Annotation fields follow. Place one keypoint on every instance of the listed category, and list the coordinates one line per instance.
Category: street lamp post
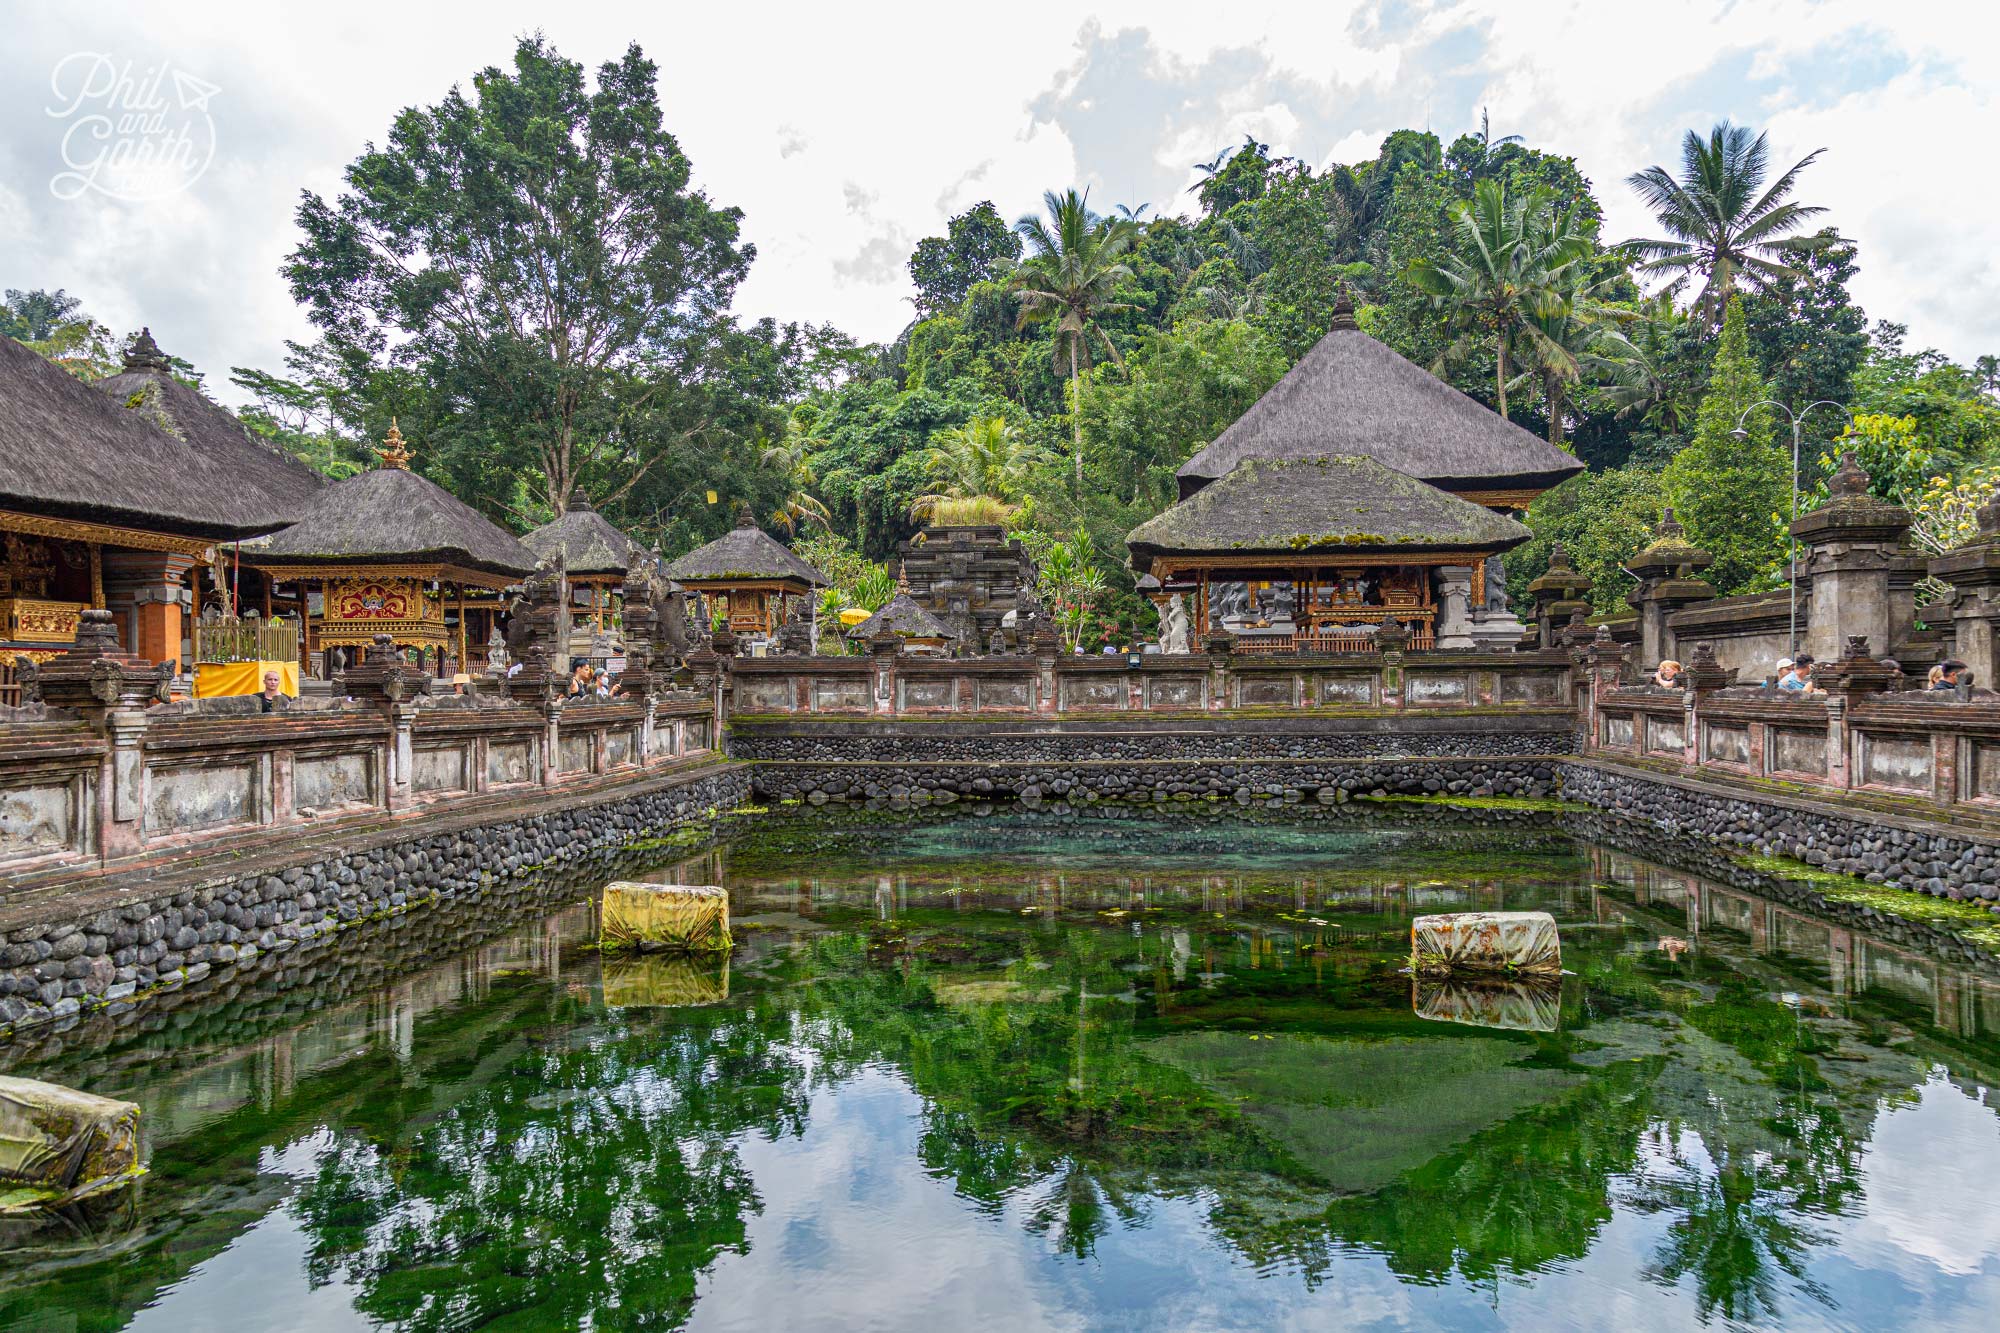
(1798, 421)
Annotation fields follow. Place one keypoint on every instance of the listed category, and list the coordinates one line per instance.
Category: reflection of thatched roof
(264, 478)
(390, 515)
(585, 541)
(1322, 505)
(901, 615)
(745, 553)
(1352, 395)
(69, 450)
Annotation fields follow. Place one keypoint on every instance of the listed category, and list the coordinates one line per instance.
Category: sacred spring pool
(1018, 1068)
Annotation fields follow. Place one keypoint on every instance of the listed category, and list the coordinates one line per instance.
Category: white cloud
(926, 113)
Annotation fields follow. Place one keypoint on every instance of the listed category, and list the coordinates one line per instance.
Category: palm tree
(1637, 376)
(1513, 266)
(1718, 223)
(985, 459)
(1986, 370)
(792, 459)
(1070, 278)
(1576, 336)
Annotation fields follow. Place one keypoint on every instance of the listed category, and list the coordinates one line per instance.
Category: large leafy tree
(536, 251)
(976, 245)
(1070, 280)
(1723, 224)
(1733, 493)
(1511, 271)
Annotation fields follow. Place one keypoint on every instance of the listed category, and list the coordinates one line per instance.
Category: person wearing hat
(1779, 672)
(1799, 676)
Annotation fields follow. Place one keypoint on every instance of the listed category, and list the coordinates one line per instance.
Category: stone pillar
(1558, 595)
(401, 755)
(123, 810)
(1973, 571)
(1454, 594)
(1047, 648)
(1668, 571)
(882, 650)
(150, 589)
(1851, 676)
(1851, 544)
(1390, 641)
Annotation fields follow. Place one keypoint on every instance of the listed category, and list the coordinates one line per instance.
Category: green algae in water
(1969, 920)
(1093, 1070)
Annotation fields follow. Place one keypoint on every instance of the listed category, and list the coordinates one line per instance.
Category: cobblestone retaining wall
(920, 744)
(145, 940)
(1898, 854)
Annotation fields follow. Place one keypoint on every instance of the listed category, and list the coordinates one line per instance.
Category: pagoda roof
(390, 515)
(159, 458)
(903, 615)
(1344, 503)
(745, 554)
(586, 543)
(1352, 395)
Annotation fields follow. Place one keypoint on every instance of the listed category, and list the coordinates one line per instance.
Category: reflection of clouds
(1915, 1150)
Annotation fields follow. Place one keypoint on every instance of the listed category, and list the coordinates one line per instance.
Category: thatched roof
(586, 542)
(901, 615)
(745, 553)
(1352, 395)
(265, 479)
(1319, 505)
(69, 450)
(390, 515)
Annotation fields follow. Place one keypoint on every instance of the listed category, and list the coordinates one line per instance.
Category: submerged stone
(1485, 942)
(58, 1145)
(686, 918)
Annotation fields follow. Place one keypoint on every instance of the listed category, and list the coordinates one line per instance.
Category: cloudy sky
(845, 133)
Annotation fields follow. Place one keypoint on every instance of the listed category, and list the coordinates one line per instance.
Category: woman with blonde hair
(1668, 677)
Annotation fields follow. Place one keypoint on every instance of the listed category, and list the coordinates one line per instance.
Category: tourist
(1779, 672)
(1933, 676)
(267, 702)
(459, 682)
(1799, 677)
(1668, 677)
(1947, 675)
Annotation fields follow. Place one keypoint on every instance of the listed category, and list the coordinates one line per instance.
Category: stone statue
(497, 657)
(1174, 627)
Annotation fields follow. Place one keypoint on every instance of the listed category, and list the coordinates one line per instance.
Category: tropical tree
(985, 459)
(1071, 585)
(791, 458)
(1722, 222)
(1639, 381)
(1512, 266)
(1070, 280)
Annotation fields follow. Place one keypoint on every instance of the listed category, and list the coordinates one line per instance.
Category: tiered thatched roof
(264, 477)
(69, 450)
(587, 543)
(392, 516)
(901, 615)
(1352, 395)
(746, 554)
(1291, 507)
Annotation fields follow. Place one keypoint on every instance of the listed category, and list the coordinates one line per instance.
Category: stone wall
(1329, 780)
(122, 938)
(1898, 853)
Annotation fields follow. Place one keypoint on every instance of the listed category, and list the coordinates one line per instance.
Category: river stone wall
(83, 958)
(1898, 853)
(944, 743)
(1159, 780)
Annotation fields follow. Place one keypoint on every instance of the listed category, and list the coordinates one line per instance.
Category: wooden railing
(246, 640)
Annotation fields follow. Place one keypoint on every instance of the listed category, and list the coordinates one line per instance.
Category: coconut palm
(1070, 278)
(792, 459)
(1722, 222)
(1513, 264)
(1636, 381)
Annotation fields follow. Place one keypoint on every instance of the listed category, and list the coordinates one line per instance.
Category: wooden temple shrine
(595, 557)
(388, 552)
(1359, 489)
(127, 495)
(747, 580)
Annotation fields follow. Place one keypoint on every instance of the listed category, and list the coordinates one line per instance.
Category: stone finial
(1850, 480)
(744, 518)
(394, 453)
(1392, 637)
(382, 675)
(96, 675)
(1343, 313)
(1704, 656)
(1669, 525)
(145, 354)
(1857, 647)
(1603, 636)
(1558, 558)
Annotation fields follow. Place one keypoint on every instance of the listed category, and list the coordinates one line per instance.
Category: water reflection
(1044, 1069)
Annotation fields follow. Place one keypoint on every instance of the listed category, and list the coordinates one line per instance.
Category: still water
(1035, 1069)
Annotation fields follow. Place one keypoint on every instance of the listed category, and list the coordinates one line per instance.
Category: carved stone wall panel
(335, 781)
(1888, 760)
(1796, 750)
(440, 768)
(184, 798)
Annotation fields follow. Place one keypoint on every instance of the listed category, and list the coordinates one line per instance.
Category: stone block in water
(1489, 942)
(58, 1145)
(1519, 1004)
(682, 918)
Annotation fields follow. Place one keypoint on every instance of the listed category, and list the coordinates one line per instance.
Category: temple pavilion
(388, 552)
(595, 557)
(747, 577)
(122, 495)
(1360, 488)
